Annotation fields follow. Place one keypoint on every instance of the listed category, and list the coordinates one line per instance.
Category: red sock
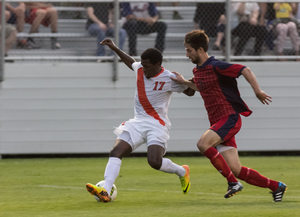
(254, 178)
(220, 164)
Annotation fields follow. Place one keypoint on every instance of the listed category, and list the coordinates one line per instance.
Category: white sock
(111, 172)
(169, 167)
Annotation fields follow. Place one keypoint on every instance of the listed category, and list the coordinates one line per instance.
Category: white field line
(145, 190)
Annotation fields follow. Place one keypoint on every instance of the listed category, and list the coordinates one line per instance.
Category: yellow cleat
(101, 193)
(185, 180)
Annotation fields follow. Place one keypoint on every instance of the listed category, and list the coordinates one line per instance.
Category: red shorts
(29, 19)
(227, 127)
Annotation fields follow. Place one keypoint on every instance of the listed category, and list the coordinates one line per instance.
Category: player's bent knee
(201, 146)
(155, 164)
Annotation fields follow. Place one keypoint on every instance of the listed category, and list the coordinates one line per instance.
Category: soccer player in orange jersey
(150, 124)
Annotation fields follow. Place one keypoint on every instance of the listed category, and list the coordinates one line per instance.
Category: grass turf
(56, 187)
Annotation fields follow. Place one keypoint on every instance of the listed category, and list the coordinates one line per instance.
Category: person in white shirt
(245, 24)
(150, 124)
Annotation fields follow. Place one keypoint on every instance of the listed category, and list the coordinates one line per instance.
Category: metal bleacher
(75, 41)
(77, 44)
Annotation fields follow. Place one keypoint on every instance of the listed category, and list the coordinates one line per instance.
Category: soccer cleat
(278, 194)
(101, 193)
(185, 180)
(233, 188)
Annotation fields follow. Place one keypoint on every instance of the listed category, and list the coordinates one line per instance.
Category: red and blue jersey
(216, 81)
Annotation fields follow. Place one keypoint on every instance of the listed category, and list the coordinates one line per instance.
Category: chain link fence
(73, 30)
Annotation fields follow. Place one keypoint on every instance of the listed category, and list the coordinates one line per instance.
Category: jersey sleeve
(175, 87)
(227, 69)
(135, 66)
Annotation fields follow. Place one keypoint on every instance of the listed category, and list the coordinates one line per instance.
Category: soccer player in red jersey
(216, 82)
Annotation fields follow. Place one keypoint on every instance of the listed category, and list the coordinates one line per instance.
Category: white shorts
(141, 132)
(222, 148)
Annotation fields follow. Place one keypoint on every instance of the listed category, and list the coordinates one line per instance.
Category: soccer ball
(113, 193)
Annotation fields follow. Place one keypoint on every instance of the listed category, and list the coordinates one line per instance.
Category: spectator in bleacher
(10, 37)
(17, 17)
(220, 41)
(206, 17)
(142, 18)
(41, 13)
(100, 24)
(245, 24)
(285, 25)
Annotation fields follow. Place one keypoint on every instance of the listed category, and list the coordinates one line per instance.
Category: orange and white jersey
(153, 95)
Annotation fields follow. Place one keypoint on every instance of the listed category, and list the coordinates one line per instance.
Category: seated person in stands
(17, 16)
(285, 25)
(142, 18)
(41, 13)
(100, 24)
(10, 37)
(245, 23)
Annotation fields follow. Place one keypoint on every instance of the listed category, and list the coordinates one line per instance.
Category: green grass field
(56, 187)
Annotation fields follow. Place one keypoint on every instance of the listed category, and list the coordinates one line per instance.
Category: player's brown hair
(153, 55)
(196, 39)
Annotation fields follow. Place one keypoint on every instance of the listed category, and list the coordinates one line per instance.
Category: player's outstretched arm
(181, 80)
(128, 60)
(261, 95)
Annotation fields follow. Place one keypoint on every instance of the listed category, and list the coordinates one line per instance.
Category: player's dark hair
(196, 39)
(153, 55)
